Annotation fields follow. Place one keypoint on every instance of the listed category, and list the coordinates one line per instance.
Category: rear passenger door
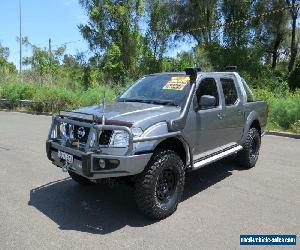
(233, 112)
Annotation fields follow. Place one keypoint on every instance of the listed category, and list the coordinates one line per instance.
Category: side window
(229, 91)
(208, 86)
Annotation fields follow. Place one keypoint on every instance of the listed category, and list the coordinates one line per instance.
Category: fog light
(105, 164)
(102, 163)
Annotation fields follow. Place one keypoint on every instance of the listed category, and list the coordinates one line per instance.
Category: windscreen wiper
(135, 100)
(160, 102)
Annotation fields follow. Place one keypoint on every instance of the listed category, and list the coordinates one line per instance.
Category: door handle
(220, 116)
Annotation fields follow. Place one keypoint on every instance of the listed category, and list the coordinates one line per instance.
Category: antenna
(50, 59)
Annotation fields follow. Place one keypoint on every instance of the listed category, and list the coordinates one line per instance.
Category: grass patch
(284, 110)
(48, 98)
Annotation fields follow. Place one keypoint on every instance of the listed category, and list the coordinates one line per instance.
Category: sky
(41, 20)
(44, 19)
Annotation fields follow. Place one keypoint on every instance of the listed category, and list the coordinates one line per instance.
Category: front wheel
(159, 187)
(249, 155)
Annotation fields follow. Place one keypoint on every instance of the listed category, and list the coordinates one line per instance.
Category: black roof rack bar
(231, 68)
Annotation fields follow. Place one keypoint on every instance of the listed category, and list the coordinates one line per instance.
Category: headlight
(93, 139)
(53, 134)
(63, 130)
(119, 139)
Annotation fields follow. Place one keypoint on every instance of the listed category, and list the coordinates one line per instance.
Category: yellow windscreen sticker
(177, 83)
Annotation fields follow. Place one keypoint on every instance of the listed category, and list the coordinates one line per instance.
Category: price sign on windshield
(177, 83)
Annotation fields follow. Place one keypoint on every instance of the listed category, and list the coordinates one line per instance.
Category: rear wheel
(159, 187)
(249, 155)
(79, 179)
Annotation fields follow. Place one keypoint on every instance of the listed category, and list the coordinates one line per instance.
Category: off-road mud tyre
(248, 156)
(158, 189)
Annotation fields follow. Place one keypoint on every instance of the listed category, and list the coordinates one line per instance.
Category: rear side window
(229, 90)
(208, 86)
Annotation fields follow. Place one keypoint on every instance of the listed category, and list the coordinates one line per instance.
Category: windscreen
(166, 89)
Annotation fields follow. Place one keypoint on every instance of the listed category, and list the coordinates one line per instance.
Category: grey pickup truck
(162, 126)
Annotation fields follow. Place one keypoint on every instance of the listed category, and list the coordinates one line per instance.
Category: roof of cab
(217, 73)
(229, 70)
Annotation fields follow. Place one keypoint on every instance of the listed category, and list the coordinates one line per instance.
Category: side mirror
(206, 101)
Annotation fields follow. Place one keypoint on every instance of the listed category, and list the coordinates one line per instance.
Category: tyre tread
(145, 182)
(243, 155)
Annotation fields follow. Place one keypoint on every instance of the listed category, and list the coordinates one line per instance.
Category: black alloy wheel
(166, 185)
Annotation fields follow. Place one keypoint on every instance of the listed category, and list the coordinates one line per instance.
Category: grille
(105, 137)
(81, 133)
(75, 133)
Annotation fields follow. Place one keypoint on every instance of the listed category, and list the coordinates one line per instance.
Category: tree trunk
(293, 45)
(294, 48)
(275, 51)
(208, 23)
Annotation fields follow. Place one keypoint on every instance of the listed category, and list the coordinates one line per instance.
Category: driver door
(206, 126)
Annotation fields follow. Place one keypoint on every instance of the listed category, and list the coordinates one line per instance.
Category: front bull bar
(97, 128)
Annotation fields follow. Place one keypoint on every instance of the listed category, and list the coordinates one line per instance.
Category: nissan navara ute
(161, 127)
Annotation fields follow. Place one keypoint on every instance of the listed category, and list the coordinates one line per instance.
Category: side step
(216, 157)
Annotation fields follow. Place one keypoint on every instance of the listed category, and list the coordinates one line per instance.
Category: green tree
(44, 64)
(114, 66)
(158, 34)
(112, 27)
(294, 12)
(270, 31)
(294, 79)
(7, 69)
(188, 17)
(236, 36)
(72, 71)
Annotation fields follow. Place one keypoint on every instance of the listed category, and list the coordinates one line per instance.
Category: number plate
(65, 156)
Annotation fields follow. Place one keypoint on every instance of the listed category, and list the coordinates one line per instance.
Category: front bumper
(84, 162)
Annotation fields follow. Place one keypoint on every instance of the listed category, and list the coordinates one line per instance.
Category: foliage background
(130, 38)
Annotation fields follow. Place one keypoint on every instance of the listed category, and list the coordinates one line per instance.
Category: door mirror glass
(207, 95)
(207, 101)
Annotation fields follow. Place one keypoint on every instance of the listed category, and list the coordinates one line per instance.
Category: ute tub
(86, 163)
